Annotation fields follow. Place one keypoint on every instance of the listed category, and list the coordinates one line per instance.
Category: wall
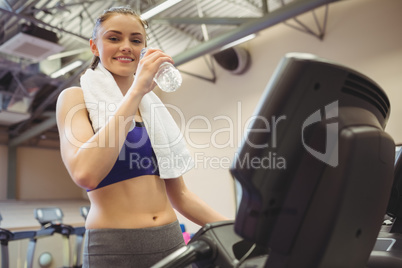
(42, 175)
(361, 34)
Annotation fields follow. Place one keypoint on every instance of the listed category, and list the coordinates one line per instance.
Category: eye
(113, 38)
(136, 41)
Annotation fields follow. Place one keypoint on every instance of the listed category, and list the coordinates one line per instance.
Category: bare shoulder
(70, 99)
(72, 90)
(71, 93)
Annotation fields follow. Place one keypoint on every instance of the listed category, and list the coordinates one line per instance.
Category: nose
(126, 47)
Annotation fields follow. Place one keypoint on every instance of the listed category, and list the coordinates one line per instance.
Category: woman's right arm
(89, 156)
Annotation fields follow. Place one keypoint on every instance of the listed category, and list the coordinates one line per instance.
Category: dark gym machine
(387, 251)
(326, 207)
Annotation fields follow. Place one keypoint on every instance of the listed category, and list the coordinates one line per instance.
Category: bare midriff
(139, 202)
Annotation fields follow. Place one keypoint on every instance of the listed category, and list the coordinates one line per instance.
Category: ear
(94, 47)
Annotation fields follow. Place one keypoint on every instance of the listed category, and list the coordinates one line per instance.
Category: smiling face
(118, 44)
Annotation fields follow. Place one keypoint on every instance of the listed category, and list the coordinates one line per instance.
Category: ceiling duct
(237, 60)
(31, 42)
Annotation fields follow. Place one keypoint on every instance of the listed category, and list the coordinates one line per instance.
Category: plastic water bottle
(186, 235)
(168, 78)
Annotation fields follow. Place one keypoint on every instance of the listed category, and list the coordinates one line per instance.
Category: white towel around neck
(102, 96)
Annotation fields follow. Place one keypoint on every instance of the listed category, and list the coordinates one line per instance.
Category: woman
(131, 222)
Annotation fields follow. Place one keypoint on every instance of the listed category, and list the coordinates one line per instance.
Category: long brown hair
(125, 10)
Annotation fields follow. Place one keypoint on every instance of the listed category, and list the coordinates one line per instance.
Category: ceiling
(187, 30)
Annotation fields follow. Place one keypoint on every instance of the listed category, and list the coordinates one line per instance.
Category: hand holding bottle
(168, 78)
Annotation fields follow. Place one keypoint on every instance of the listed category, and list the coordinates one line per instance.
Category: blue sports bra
(136, 158)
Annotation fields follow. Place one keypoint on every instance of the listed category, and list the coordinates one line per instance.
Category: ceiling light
(67, 69)
(239, 41)
(67, 53)
(158, 9)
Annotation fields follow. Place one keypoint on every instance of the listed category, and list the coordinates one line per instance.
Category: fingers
(147, 68)
(156, 56)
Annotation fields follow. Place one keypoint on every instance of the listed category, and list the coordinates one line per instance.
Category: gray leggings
(137, 248)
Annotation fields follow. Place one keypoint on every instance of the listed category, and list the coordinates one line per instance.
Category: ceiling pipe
(282, 14)
(203, 20)
(47, 124)
(39, 22)
(34, 131)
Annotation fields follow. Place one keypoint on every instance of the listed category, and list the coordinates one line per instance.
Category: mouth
(124, 59)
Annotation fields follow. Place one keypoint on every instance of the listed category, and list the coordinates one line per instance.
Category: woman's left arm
(189, 204)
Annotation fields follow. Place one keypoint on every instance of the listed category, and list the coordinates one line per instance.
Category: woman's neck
(124, 82)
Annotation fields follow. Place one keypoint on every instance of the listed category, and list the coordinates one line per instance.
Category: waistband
(139, 240)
